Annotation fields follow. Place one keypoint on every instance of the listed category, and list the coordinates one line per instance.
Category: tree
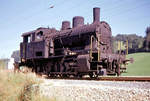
(16, 55)
(147, 39)
(135, 42)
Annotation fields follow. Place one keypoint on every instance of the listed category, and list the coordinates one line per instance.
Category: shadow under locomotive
(84, 49)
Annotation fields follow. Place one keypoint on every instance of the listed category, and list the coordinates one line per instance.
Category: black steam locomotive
(84, 49)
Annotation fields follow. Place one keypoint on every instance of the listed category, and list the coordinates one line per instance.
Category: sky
(19, 16)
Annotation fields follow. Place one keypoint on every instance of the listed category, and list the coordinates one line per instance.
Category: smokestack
(65, 25)
(96, 14)
(78, 21)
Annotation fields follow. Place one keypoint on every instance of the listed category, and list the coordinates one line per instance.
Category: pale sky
(19, 16)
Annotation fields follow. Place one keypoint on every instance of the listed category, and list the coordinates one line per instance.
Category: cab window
(27, 39)
(39, 35)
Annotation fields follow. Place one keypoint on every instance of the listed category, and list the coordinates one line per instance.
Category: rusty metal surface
(44, 43)
(65, 25)
(128, 78)
(76, 31)
(45, 30)
(100, 78)
(77, 21)
(96, 14)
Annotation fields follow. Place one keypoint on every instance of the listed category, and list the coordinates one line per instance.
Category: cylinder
(65, 25)
(78, 21)
(96, 14)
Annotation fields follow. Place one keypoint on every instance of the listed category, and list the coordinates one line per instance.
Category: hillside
(141, 65)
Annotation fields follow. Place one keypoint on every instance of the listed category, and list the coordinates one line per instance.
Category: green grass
(140, 66)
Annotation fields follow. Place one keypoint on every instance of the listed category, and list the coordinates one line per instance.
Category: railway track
(121, 78)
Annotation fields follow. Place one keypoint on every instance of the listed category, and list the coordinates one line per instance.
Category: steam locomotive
(84, 49)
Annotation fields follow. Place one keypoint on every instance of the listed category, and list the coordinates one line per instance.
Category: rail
(102, 78)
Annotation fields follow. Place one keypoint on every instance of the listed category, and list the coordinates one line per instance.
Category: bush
(19, 87)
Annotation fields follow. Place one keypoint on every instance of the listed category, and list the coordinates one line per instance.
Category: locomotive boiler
(83, 49)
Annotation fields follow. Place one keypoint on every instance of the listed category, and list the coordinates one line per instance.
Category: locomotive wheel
(113, 66)
(64, 75)
(93, 75)
(48, 68)
(118, 69)
(37, 69)
(52, 75)
(80, 75)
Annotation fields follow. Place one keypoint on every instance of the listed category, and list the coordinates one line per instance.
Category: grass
(18, 87)
(140, 66)
(2, 64)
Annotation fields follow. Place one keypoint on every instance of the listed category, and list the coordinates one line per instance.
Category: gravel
(83, 90)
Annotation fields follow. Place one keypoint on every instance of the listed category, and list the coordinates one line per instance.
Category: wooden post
(127, 47)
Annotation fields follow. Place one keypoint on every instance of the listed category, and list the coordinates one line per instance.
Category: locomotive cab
(27, 39)
(34, 45)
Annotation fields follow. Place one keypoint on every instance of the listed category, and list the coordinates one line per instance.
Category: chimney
(96, 14)
(78, 21)
(65, 25)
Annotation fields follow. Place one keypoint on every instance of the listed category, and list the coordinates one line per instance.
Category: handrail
(98, 45)
(91, 47)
